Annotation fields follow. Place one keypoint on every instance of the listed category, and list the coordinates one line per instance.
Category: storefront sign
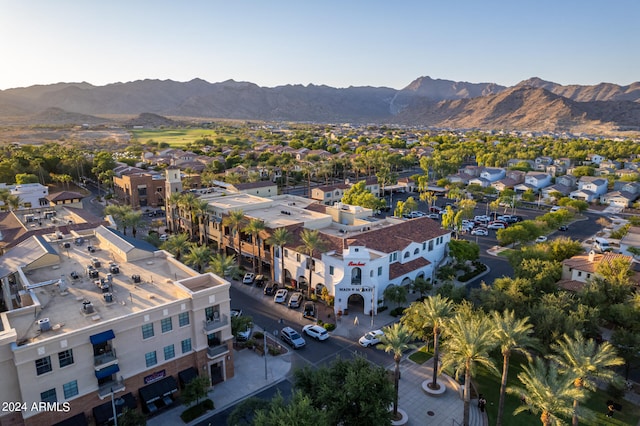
(355, 289)
(356, 264)
(154, 377)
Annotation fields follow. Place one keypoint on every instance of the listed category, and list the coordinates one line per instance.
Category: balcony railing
(111, 387)
(215, 351)
(105, 358)
(215, 324)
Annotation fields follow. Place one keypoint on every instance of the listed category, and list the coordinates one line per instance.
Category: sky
(335, 43)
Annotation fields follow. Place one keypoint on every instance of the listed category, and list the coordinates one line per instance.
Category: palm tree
(512, 335)
(545, 392)
(311, 242)
(201, 210)
(176, 245)
(586, 363)
(233, 221)
(280, 237)
(254, 228)
(222, 265)
(172, 203)
(197, 256)
(427, 318)
(188, 203)
(397, 339)
(470, 338)
(134, 220)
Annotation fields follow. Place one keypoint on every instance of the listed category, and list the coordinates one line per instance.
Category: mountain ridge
(532, 104)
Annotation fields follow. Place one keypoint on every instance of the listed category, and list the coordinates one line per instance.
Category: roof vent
(44, 324)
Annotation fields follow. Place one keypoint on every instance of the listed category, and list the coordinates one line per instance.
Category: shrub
(382, 308)
(196, 411)
(258, 335)
(329, 326)
(396, 312)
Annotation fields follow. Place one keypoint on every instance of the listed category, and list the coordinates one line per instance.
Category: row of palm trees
(9, 200)
(552, 385)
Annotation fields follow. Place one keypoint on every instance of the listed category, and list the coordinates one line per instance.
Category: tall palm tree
(280, 237)
(470, 338)
(427, 318)
(188, 204)
(586, 363)
(234, 221)
(254, 227)
(201, 211)
(197, 256)
(172, 208)
(397, 339)
(134, 220)
(546, 392)
(311, 243)
(513, 335)
(176, 245)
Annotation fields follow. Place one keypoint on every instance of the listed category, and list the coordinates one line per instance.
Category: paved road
(272, 317)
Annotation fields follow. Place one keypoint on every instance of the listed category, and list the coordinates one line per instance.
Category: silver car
(295, 300)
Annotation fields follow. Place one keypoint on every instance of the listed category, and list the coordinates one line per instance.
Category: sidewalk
(421, 408)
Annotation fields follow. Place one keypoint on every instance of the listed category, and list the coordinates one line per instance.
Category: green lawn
(505, 253)
(421, 356)
(489, 385)
(177, 138)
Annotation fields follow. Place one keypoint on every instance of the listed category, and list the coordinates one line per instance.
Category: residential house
(535, 181)
(624, 194)
(630, 240)
(329, 194)
(579, 269)
(541, 163)
(564, 185)
(590, 188)
(594, 159)
(492, 174)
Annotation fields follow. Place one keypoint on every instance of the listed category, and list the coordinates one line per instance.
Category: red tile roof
(398, 269)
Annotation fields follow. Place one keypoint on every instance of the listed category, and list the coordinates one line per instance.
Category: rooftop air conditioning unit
(44, 324)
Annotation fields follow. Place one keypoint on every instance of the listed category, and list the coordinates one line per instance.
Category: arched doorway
(355, 303)
(303, 285)
(287, 277)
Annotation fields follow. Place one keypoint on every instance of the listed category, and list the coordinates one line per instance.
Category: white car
(281, 296)
(295, 300)
(371, 338)
(434, 216)
(163, 237)
(315, 331)
(248, 278)
(482, 218)
(496, 225)
(236, 312)
(480, 231)
(243, 335)
(541, 239)
(555, 209)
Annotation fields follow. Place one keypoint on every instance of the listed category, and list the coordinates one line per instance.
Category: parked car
(316, 332)
(281, 296)
(555, 209)
(480, 231)
(236, 312)
(163, 237)
(563, 228)
(260, 280)
(309, 311)
(482, 218)
(292, 338)
(496, 225)
(371, 338)
(295, 300)
(249, 277)
(434, 216)
(541, 239)
(270, 289)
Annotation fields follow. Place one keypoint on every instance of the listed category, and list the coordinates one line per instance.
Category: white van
(601, 245)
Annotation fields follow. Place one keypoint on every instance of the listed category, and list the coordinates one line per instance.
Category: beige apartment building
(91, 315)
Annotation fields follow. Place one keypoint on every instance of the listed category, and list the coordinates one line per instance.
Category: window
(416, 251)
(588, 275)
(166, 325)
(431, 245)
(371, 273)
(49, 396)
(70, 389)
(330, 270)
(406, 254)
(277, 253)
(147, 331)
(286, 253)
(169, 352)
(297, 257)
(150, 358)
(379, 270)
(65, 358)
(424, 246)
(183, 319)
(43, 365)
(356, 250)
(579, 273)
(186, 345)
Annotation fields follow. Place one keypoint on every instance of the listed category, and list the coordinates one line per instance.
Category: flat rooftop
(62, 299)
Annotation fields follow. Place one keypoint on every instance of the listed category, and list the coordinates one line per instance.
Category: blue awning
(102, 337)
(107, 371)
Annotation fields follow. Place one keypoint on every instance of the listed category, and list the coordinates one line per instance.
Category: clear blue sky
(337, 43)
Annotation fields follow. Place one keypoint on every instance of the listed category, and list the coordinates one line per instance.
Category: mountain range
(531, 105)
